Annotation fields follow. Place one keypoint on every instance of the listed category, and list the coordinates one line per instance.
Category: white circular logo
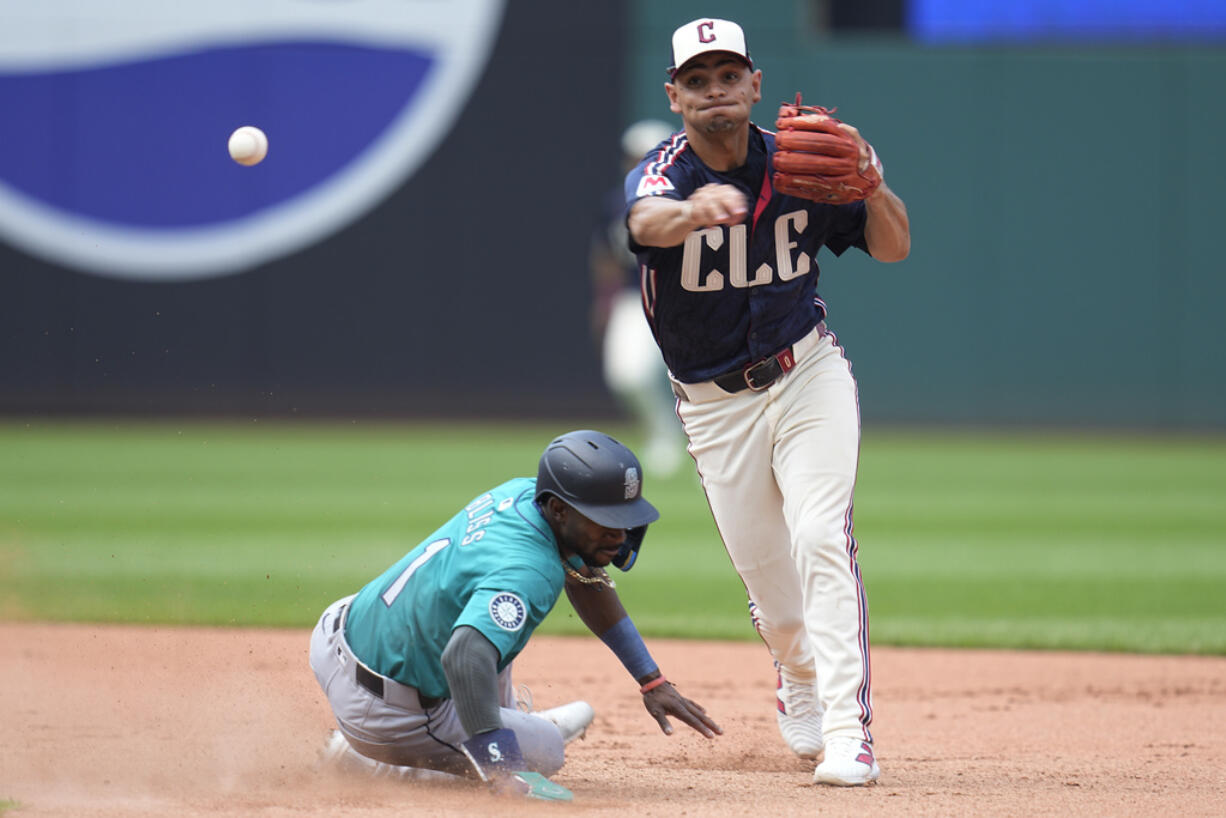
(508, 611)
(150, 193)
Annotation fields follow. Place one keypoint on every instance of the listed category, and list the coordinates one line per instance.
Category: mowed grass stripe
(978, 538)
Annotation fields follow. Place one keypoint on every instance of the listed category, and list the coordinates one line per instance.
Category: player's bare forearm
(597, 605)
(887, 230)
(661, 222)
(600, 609)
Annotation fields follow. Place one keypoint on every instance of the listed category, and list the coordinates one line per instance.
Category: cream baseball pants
(779, 470)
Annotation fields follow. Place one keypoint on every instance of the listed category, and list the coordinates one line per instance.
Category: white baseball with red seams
(248, 145)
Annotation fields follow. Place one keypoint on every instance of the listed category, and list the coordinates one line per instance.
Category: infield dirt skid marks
(217, 723)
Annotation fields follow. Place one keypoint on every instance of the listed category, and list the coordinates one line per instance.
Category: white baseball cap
(703, 35)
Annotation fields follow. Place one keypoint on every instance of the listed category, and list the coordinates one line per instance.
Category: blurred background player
(633, 369)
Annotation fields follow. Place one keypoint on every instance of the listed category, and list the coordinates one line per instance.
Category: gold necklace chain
(601, 578)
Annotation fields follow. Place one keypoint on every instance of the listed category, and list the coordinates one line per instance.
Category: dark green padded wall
(1067, 217)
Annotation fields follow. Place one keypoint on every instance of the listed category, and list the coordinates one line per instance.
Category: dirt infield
(141, 721)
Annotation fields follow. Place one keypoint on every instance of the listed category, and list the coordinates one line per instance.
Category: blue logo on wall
(117, 116)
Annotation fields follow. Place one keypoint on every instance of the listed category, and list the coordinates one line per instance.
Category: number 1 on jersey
(389, 596)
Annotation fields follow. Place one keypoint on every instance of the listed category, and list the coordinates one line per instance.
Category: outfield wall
(1065, 208)
(463, 290)
(1066, 214)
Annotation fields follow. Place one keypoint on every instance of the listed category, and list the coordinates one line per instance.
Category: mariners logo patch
(632, 483)
(653, 185)
(508, 611)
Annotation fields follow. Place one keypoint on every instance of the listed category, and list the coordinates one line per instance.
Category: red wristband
(653, 684)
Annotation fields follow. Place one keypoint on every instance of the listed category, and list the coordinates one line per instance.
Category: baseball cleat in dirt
(535, 785)
(849, 762)
(339, 755)
(572, 719)
(799, 714)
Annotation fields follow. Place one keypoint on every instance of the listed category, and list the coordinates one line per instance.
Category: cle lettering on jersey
(732, 244)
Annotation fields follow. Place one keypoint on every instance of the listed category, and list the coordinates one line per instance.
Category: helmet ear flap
(630, 548)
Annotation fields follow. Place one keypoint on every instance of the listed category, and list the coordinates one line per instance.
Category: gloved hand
(820, 158)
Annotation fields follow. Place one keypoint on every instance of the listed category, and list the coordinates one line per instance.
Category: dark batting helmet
(602, 480)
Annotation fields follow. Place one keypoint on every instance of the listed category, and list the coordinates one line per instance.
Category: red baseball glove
(816, 159)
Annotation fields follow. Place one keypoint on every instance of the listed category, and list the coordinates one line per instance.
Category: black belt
(374, 683)
(757, 376)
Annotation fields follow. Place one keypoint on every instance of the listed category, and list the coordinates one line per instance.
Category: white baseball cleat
(799, 714)
(572, 719)
(339, 755)
(334, 747)
(849, 762)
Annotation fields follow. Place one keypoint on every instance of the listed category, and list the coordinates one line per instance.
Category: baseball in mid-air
(248, 145)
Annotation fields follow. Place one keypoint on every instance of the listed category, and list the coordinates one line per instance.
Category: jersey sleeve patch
(508, 611)
(653, 185)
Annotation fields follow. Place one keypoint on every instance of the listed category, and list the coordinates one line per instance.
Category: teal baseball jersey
(495, 567)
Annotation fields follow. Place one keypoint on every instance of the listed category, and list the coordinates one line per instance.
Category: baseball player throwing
(417, 665)
(729, 276)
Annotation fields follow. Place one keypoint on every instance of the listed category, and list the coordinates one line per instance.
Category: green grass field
(1026, 539)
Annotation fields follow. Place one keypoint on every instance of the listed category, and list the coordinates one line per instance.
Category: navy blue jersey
(732, 295)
